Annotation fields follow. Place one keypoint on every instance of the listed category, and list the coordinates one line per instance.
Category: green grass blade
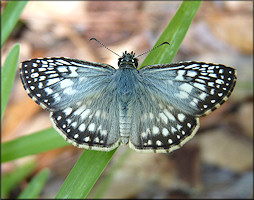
(174, 34)
(10, 180)
(8, 75)
(32, 144)
(35, 187)
(104, 185)
(10, 17)
(84, 174)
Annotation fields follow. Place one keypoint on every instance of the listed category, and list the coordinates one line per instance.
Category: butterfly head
(128, 60)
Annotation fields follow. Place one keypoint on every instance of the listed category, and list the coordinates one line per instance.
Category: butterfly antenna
(104, 46)
(153, 49)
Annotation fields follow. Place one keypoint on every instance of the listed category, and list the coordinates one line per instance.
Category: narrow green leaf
(84, 174)
(105, 183)
(10, 180)
(8, 75)
(173, 34)
(32, 144)
(35, 187)
(10, 17)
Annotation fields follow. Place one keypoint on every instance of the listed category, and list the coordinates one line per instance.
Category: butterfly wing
(56, 83)
(157, 126)
(91, 124)
(79, 96)
(196, 88)
(171, 100)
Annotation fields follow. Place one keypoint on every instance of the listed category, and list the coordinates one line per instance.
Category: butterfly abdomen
(126, 94)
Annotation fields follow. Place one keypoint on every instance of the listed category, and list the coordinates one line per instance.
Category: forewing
(56, 83)
(194, 88)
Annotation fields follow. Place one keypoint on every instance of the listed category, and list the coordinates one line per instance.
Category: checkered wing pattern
(73, 90)
(171, 100)
(156, 109)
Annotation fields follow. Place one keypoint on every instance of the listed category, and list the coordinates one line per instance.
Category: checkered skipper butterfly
(154, 109)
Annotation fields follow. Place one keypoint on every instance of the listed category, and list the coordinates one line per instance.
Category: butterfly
(153, 109)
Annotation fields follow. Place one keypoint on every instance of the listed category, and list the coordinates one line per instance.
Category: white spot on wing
(219, 81)
(181, 117)
(191, 73)
(80, 110)
(48, 91)
(212, 91)
(52, 81)
(41, 69)
(158, 142)
(70, 91)
(169, 115)
(42, 78)
(104, 132)
(221, 71)
(202, 96)
(91, 127)
(170, 141)
(155, 130)
(191, 66)
(40, 85)
(200, 86)
(85, 114)
(178, 126)
(98, 113)
(62, 69)
(182, 95)
(96, 139)
(63, 61)
(151, 115)
(144, 134)
(165, 132)
(66, 83)
(73, 72)
(82, 127)
(163, 117)
(74, 124)
(213, 75)
(200, 80)
(211, 84)
(186, 87)
(34, 75)
(180, 74)
(67, 110)
(173, 130)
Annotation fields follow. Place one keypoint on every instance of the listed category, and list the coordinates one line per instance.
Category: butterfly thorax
(128, 60)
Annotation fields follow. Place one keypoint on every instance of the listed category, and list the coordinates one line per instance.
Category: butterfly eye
(135, 62)
(119, 61)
